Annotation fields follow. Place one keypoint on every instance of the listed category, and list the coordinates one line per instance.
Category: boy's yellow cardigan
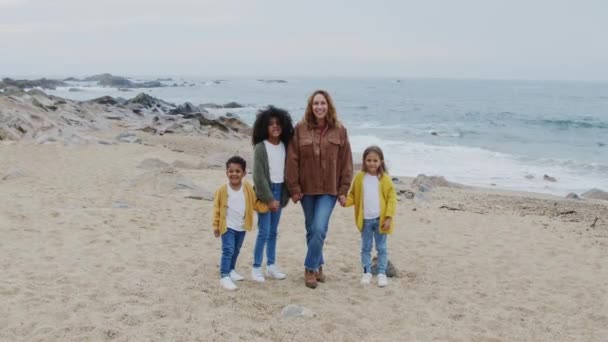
(388, 200)
(220, 203)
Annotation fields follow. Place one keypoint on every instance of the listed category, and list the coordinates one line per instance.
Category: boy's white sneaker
(257, 274)
(366, 279)
(227, 283)
(235, 276)
(382, 280)
(272, 271)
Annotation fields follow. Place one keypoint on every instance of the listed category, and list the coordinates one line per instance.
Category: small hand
(274, 205)
(216, 233)
(386, 225)
(342, 200)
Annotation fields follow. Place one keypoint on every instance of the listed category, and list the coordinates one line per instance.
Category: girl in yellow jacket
(373, 195)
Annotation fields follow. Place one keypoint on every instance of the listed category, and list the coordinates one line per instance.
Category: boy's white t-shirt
(371, 197)
(235, 213)
(276, 161)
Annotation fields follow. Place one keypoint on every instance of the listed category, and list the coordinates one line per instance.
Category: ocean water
(494, 133)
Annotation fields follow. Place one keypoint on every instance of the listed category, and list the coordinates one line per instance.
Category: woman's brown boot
(310, 279)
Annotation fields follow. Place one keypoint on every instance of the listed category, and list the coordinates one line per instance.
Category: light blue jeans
(268, 226)
(232, 241)
(369, 233)
(317, 211)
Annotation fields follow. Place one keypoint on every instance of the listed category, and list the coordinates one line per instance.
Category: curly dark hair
(262, 120)
(236, 160)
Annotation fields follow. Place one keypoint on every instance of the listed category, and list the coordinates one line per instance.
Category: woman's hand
(296, 197)
(342, 200)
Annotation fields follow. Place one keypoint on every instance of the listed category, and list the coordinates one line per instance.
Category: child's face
(235, 174)
(372, 162)
(274, 128)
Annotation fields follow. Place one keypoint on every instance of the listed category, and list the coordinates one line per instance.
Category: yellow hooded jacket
(388, 200)
(220, 203)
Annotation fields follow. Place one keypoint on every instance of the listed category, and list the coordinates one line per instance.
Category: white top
(371, 197)
(235, 213)
(276, 161)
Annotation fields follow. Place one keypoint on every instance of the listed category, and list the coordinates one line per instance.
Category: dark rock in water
(232, 105)
(549, 178)
(22, 84)
(210, 105)
(164, 79)
(596, 194)
(529, 176)
(109, 80)
(391, 270)
(434, 133)
(73, 90)
(601, 144)
(572, 195)
(72, 79)
(272, 81)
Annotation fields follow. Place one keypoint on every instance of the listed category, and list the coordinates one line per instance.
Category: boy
(233, 208)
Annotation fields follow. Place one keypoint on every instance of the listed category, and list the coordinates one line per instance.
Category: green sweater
(261, 177)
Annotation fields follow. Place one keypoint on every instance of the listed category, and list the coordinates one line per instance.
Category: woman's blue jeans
(317, 211)
(369, 233)
(268, 226)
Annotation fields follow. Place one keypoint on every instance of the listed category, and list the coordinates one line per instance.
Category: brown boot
(319, 275)
(309, 279)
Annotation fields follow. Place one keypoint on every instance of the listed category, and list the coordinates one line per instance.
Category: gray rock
(203, 195)
(529, 176)
(391, 270)
(572, 195)
(13, 174)
(120, 205)
(128, 137)
(152, 164)
(596, 194)
(296, 311)
(548, 178)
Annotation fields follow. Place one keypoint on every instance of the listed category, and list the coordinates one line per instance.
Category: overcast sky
(522, 39)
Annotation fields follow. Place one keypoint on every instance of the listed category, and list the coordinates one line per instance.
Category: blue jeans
(232, 241)
(369, 233)
(317, 210)
(268, 225)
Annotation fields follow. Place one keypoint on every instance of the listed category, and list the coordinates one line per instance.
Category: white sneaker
(257, 274)
(227, 283)
(235, 276)
(272, 271)
(382, 280)
(366, 279)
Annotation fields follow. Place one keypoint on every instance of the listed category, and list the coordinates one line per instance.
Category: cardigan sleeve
(390, 196)
(261, 174)
(216, 209)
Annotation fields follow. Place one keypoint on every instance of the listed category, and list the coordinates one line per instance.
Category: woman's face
(319, 107)
(274, 128)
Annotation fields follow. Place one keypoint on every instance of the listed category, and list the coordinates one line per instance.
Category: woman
(319, 169)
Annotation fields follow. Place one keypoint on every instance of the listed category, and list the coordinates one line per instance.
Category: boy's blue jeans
(317, 211)
(232, 241)
(369, 233)
(268, 226)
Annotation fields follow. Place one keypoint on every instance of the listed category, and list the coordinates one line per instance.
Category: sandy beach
(97, 246)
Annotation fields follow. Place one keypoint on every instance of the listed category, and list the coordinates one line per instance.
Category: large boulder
(596, 194)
